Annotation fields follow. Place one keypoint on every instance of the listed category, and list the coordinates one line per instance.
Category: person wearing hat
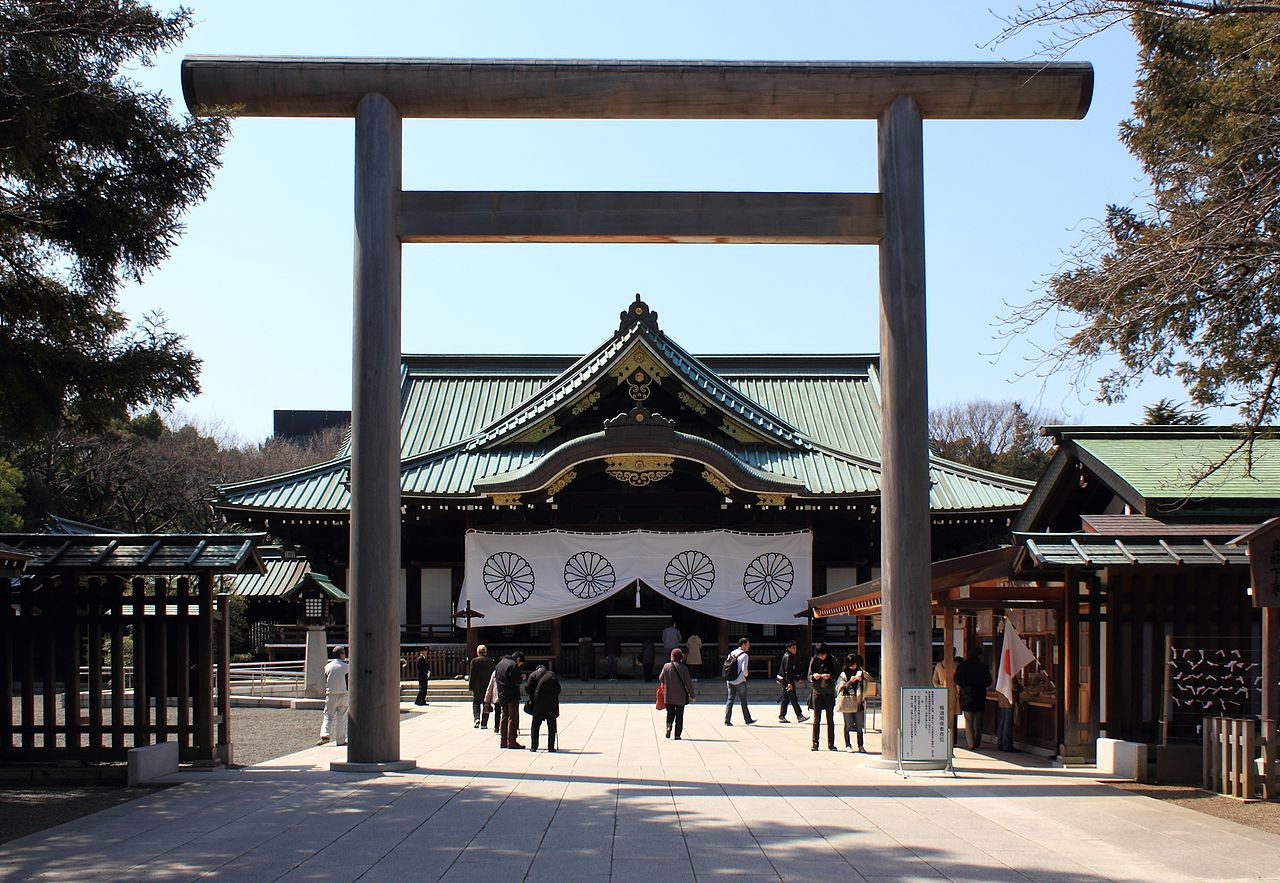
(335, 698)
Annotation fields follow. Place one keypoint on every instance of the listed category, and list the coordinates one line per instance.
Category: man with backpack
(734, 673)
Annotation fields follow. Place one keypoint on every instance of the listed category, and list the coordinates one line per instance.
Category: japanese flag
(1014, 657)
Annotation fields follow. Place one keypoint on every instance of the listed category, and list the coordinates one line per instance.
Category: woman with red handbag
(676, 686)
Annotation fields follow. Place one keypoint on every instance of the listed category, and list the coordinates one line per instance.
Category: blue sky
(261, 282)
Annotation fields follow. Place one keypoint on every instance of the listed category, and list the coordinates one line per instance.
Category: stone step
(626, 690)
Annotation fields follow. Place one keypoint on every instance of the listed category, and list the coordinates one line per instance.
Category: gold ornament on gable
(639, 470)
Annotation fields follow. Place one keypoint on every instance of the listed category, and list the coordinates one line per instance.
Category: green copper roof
(1169, 466)
(812, 421)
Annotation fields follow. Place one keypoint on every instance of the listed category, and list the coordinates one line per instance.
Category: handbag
(660, 698)
(847, 703)
(528, 707)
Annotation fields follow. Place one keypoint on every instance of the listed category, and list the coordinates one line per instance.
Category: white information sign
(923, 725)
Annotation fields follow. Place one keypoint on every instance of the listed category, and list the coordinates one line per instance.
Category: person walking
(479, 673)
(507, 676)
(491, 704)
(677, 688)
(334, 723)
(424, 676)
(543, 690)
(973, 678)
(736, 681)
(646, 659)
(822, 683)
(850, 700)
(694, 656)
(944, 678)
(789, 677)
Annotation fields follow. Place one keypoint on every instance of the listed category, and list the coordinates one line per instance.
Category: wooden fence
(90, 670)
(1232, 747)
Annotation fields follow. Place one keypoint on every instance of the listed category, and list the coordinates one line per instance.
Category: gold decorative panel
(505, 499)
(638, 369)
(690, 402)
(771, 499)
(561, 483)
(733, 430)
(585, 402)
(538, 432)
(717, 482)
(639, 470)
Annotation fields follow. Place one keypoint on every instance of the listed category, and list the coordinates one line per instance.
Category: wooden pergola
(130, 622)
(379, 93)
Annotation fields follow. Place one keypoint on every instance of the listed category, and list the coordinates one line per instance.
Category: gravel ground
(258, 734)
(1263, 815)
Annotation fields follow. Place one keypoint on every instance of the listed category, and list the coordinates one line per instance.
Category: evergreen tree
(94, 177)
(1187, 285)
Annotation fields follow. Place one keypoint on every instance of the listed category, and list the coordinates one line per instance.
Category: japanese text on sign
(923, 725)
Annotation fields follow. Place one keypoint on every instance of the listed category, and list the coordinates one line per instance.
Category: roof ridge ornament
(638, 312)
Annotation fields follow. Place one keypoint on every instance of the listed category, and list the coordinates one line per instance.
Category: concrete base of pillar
(389, 766)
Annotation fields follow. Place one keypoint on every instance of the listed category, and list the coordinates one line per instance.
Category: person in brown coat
(677, 685)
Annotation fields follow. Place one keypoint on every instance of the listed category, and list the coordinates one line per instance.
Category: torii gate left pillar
(378, 92)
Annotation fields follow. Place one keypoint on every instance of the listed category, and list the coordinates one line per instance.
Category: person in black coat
(507, 680)
(543, 690)
(790, 674)
(424, 676)
(973, 678)
(822, 680)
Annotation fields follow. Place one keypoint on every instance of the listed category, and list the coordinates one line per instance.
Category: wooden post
(949, 666)
(722, 637)
(556, 639)
(203, 742)
(375, 439)
(223, 651)
(1166, 695)
(904, 486)
(1270, 663)
(862, 637)
(1270, 699)
(1070, 701)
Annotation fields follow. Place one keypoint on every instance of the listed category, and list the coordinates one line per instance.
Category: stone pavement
(619, 802)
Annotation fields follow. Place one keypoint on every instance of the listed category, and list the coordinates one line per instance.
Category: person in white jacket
(336, 693)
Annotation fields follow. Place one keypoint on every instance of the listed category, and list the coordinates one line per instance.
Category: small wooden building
(1123, 578)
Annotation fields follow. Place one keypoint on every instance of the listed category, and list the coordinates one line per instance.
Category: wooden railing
(1232, 747)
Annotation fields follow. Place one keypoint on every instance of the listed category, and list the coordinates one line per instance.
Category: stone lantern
(318, 595)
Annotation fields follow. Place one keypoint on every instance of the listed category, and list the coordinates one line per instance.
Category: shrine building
(546, 498)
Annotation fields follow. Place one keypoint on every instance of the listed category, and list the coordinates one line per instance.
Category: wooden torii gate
(379, 93)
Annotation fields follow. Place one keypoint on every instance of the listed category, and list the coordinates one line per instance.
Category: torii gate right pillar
(904, 491)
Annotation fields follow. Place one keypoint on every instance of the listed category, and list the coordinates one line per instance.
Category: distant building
(300, 425)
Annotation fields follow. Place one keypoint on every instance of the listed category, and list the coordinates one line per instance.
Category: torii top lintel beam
(585, 89)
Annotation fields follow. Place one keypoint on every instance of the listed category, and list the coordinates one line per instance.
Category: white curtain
(515, 578)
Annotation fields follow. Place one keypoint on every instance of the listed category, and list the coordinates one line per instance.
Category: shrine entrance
(379, 93)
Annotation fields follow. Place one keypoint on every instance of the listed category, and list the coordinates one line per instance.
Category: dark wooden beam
(599, 216)
(587, 89)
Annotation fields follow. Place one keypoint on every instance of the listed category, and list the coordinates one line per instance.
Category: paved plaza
(619, 802)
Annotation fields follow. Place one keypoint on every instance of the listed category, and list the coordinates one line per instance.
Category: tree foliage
(996, 436)
(1187, 285)
(144, 476)
(10, 496)
(94, 178)
(1167, 412)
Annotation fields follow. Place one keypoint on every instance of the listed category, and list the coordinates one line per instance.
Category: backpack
(729, 671)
